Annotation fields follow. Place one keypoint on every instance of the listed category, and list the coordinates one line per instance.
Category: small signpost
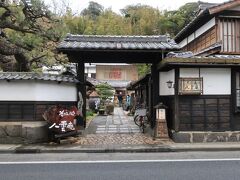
(161, 129)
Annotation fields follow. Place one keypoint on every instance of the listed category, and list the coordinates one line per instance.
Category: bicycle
(141, 118)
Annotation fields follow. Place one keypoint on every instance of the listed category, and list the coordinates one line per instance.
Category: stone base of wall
(198, 136)
(23, 132)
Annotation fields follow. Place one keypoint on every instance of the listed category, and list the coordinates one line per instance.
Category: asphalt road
(123, 170)
(124, 166)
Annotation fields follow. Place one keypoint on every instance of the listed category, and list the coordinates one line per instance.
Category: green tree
(93, 10)
(173, 21)
(143, 69)
(142, 19)
(105, 91)
(29, 33)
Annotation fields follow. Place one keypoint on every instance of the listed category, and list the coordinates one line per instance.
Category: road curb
(133, 150)
(31, 149)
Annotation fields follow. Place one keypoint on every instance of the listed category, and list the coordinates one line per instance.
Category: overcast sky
(115, 5)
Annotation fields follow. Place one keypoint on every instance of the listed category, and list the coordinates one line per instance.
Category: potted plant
(105, 92)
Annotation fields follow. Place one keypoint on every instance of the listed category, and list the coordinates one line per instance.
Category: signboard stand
(161, 129)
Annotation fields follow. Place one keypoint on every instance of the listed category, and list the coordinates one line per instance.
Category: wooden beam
(176, 101)
(82, 88)
(114, 57)
(155, 91)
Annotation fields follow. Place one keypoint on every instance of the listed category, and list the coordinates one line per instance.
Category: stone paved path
(119, 122)
(117, 130)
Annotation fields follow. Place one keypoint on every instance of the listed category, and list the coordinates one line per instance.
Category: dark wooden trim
(233, 98)
(36, 112)
(81, 87)
(205, 113)
(176, 99)
(155, 91)
(116, 56)
(207, 96)
(191, 115)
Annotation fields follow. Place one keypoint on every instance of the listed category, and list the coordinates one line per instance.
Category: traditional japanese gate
(82, 49)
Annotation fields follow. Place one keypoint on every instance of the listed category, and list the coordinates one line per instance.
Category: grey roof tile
(36, 76)
(189, 54)
(116, 83)
(117, 42)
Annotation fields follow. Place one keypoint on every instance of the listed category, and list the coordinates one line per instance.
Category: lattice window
(230, 34)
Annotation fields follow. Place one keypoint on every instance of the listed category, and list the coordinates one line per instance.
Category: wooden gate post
(155, 91)
(81, 87)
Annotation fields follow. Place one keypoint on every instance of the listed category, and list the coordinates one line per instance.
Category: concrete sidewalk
(70, 148)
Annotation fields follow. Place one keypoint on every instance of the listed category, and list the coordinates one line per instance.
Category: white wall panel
(216, 81)
(205, 27)
(191, 37)
(198, 32)
(183, 43)
(37, 91)
(189, 72)
(164, 77)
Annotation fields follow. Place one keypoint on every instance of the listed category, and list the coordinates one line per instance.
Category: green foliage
(89, 113)
(105, 91)
(32, 31)
(143, 69)
(93, 10)
(134, 20)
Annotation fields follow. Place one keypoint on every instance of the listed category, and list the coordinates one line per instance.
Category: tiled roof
(93, 81)
(117, 83)
(189, 55)
(91, 42)
(36, 76)
(212, 47)
(183, 59)
(206, 5)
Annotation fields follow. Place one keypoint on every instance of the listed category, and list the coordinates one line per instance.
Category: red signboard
(115, 73)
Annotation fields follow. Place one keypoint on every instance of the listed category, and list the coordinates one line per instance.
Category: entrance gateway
(82, 49)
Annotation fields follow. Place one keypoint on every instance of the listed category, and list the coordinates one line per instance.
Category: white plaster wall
(198, 32)
(189, 72)
(205, 27)
(191, 37)
(37, 91)
(90, 70)
(215, 80)
(163, 78)
(183, 43)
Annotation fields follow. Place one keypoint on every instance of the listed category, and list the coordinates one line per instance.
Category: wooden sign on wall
(190, 86)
